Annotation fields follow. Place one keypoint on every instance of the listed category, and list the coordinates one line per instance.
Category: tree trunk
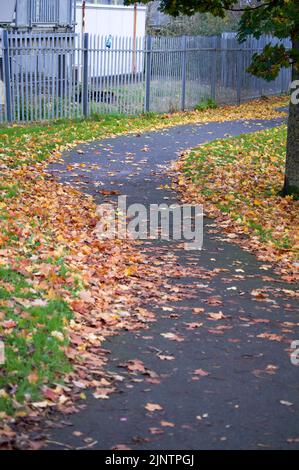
(291, 184)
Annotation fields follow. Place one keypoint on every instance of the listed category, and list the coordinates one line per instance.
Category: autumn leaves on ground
(239, 181)
(63, 290)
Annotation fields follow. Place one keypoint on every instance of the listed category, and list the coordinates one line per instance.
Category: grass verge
(239, 181)
(21, 145)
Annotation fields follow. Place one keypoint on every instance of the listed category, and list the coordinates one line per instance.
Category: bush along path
(63, 291)
(211, 368)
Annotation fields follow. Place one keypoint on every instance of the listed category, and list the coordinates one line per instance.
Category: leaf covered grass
(33, 312)
(239, 180)
(21, 145)
(49, 257)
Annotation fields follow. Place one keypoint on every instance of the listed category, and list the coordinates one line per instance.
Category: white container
(114, 20)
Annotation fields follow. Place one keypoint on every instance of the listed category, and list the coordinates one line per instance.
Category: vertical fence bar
(214, 57)
(30, 9)
(184, 73)
(282, 81)
(118, 72)
(148, 73)
(79, 75)
(25, 75)
(7, 76)
(12, 80)
(239, 73)
(40, 80)
(85, 75)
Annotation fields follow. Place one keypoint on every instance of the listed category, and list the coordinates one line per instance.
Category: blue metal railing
(57, 13)
(44, 11)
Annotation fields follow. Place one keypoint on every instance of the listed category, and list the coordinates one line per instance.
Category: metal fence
(50, 76)
(58, 13)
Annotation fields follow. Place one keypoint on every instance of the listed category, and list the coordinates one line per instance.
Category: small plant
(207, 103)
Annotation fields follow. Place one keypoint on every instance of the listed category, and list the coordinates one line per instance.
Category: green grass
(33, 143)
(207, 103)
(26, 144)
(242, 177)
(30, 346)
(7, 192)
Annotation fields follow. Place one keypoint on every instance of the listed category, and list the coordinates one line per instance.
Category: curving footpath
(226, 385)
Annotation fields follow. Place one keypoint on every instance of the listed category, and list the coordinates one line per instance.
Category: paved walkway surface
(222, 385)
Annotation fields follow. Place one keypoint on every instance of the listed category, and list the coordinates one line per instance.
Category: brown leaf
(8, 324)
(153, 407)
(121, 447)
(271, 337)
(32, 378)
(107, 192)
(172, 337)
(216, 316)
(156, 431)
(201, 372)
(198, 311)
(135, 365)
(86, 297)
(214, 301)
(164, 357)
(167, 424)
(193, 325)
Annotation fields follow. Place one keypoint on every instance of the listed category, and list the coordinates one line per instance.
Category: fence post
(282, 81)
(85, 74)
(30, 12)
(61, 75)
(148, 74)
(184, 73)
(217, 46)
(7, 76)
(239, 74)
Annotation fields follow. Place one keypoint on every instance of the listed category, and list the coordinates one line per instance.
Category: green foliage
(268, 64)
(204, 104)
(201, 24)
(279, 18)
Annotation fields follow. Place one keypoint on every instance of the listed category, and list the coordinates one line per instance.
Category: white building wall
(117, 20)
(103, 20)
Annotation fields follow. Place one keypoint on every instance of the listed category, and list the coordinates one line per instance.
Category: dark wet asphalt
(250, 397)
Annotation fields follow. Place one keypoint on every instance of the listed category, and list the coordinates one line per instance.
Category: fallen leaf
(286, 403)
(172, 337)
(198, 311)
(153, 407)
(156, 431)
(164, 357)
(32, 378)
(167, 424)
(216, 316)
(8, 324)
(201, 372)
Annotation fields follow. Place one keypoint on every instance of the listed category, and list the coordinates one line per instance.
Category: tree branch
(250, 8)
